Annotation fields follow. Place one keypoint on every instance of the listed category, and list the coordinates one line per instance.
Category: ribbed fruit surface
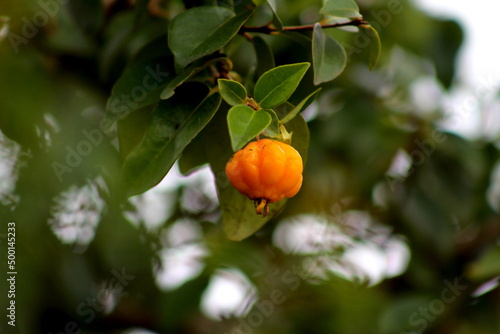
(266, 169)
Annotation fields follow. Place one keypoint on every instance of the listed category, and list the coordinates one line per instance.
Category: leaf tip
(375, 46)
(166, 94)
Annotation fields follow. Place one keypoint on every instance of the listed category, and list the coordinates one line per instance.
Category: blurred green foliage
(60, 63)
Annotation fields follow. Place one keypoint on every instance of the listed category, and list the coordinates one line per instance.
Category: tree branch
(270, 30)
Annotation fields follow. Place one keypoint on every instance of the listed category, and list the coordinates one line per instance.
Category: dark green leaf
(112, 56)
(238, 214)
(275, 86)
(241, 5)
(174, 123)
(19, 116)
(139, 86)
(299, 130)
(259, 2)
(329, 57)
(487, 266)
(341, 8)
(187, 73)
(395, 318)
(141, 11)
(244, 123)
(276, 20)
(304, 41)
(131, 130)
(229, 4)
(178, 304)
(301, 136)
(154, 49)
(264, 55)
(232, 92)
(74, 35)
(88, 15)
(194, 156)
(272, 4)
(443, 48)
(300, 107)
(203, 30)
(375, 45)
(122, 40)
(273, 130)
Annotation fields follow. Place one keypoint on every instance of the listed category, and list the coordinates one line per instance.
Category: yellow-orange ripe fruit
(266, 171)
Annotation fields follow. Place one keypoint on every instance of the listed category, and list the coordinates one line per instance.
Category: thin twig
(271, 30)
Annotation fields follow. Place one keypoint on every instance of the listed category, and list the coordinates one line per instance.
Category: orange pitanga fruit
(266, 171)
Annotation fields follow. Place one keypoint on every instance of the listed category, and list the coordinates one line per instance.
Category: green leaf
(275, 86)
(154, 49)
(244, 123)
(229, 4)
(173, 124)
(232, 92)
(259, 2)
(264, 55)
(299, 129)
(276, 20)
(341, 8)
(487, 266)
(300, 107)
(329, 57)
(395, 318)
(179, 303)
(203, 30)
(238, 214)
(19, 115)
(141, 12)
(115, 38)
(187, 73)
(88, 15)
(194, 156)
(303, 41)
(273, 130)
(375, 45)
(272, 4)
(132, 129)
(301, 136)
(139, 86)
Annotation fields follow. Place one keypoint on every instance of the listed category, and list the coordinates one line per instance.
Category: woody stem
(271, 30)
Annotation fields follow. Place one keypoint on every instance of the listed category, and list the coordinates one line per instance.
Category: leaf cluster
(177, 81)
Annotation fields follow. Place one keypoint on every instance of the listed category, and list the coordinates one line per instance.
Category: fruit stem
(286, 137)
(261, 207)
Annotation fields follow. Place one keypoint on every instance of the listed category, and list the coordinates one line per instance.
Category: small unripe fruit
(266, 171)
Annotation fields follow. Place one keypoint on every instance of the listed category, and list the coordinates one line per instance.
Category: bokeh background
(396, 229)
